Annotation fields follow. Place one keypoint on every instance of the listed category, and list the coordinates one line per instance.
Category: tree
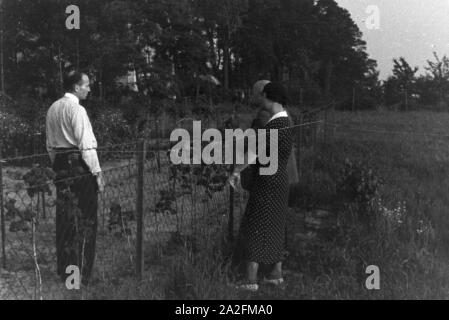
(168, 44)
(439, 72)
(339, 47)
(405, 76)
(222, 20)
(2, 69)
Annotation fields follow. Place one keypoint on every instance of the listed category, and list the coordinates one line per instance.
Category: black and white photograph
(224, 150)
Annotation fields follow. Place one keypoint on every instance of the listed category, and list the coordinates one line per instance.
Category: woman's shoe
(253, 287)
(275, 282)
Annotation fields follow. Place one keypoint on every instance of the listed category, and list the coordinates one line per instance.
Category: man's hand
(234, 180)
(100, 181)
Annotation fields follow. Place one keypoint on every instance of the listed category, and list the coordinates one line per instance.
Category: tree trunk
(51, 84)
(406, 99)
(328, 79)
(61, 79)
(77, 52)
(226, 58)
(353, 99)
(100, 85)
(213, 52)
(2, 72)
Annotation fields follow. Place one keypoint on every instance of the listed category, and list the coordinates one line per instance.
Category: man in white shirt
(71, 145)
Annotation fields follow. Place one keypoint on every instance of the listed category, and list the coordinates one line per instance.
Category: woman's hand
(234, 179)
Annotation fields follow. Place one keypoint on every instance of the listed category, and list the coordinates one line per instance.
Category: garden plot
(18, 280)
(190, 214)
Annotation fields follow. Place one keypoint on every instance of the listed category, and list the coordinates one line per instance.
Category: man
(71, 145)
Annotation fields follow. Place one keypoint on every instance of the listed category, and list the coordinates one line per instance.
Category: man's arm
(87, 144)
(85, 138)
(50, 150)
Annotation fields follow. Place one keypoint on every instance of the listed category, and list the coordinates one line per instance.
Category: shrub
(358, 187)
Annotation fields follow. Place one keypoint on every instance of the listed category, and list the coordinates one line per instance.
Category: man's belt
(65, 149)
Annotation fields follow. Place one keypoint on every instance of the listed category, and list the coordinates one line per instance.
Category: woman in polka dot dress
(262, 232)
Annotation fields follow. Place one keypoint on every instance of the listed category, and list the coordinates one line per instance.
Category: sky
(413, 29)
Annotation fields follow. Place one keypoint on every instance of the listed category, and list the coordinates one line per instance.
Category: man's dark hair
(276, 93)
(72, 78)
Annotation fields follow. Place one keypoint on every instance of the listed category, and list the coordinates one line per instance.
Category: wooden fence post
(231, 211)
(158, 158)
(331, 123)
(325, 126)
(2, 215)
(139, 208)
(298, 138)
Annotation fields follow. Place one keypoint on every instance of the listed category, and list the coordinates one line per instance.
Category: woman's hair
(276, 93)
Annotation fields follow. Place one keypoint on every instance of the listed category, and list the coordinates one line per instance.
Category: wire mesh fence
(148, 208)
(35, 198)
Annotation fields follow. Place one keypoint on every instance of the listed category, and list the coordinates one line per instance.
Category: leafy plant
(357, 183)
(118, 220)
(38, 179)
(184, 177)
(358, 187)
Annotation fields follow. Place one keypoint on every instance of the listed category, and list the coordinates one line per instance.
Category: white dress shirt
(68, 126)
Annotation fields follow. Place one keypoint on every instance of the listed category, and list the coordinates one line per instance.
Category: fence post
(2, 215)
(298, 138)
(139, 208)
(332, 123)
(324, 125)
(158, 159)
(231, 211)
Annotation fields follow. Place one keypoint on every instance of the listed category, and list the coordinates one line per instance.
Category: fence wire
(182, 206)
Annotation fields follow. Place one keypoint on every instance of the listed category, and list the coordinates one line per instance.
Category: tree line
(184, 48)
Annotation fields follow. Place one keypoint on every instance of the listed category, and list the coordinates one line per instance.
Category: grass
(407, 239)
(404, 231)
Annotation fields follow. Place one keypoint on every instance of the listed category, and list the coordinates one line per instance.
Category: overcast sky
(409, 28)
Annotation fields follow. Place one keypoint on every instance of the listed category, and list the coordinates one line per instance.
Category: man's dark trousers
(76, 214)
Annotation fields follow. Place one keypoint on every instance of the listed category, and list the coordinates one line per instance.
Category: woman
(261, 237)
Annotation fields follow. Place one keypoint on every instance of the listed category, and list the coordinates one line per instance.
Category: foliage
(38, 179)
(401, 85)
(119, 219)
(439, 70)
(170, 44)
(357, 183)
(185, 179)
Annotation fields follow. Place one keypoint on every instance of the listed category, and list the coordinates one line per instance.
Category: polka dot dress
(262, 231)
